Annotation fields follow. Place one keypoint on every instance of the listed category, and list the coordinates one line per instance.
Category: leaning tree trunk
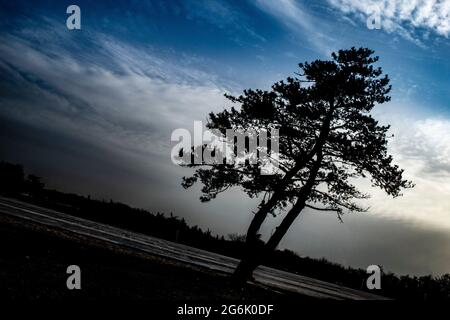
(251, 237)
(281, 230)
(249, 262)
(245, 268)
(252, 254)
(254, 258)
(260, 216)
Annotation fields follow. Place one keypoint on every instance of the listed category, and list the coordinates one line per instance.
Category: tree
(11, 178)
(34, 184)
(327, 139)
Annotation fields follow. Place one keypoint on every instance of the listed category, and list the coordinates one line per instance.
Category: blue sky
(96, 106)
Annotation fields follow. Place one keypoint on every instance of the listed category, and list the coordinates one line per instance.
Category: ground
(34, 260)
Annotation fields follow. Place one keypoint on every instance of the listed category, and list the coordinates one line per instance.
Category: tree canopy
(325, 127)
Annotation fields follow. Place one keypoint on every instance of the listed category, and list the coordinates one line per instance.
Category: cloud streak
(294, 16)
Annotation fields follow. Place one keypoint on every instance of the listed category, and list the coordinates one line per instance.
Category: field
(34, 262)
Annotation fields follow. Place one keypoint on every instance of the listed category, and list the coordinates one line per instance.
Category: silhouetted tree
(327, 138)
(34, 184)
(11, 178)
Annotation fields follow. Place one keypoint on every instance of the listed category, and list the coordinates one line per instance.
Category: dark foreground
(34, 260)
(121, 239)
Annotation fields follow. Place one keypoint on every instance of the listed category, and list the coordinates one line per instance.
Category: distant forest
(31, 188)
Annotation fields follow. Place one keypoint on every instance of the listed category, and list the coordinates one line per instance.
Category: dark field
(34, 261)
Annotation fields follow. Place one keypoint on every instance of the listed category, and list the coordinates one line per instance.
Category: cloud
(131, 106)
(422, 148)
(429, 145)
(402, 16)
(100, 118)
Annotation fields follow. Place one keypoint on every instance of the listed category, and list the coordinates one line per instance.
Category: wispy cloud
(225, 16)
(293, 15)
(124, 99)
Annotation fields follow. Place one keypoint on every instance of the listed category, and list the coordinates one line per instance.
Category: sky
(92, 110)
